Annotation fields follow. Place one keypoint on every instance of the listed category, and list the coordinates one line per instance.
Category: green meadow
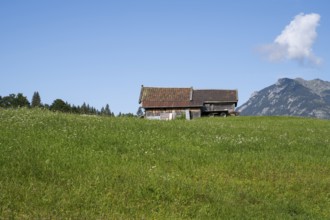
(65, 166)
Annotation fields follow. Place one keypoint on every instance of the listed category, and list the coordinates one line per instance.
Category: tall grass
(55, 165)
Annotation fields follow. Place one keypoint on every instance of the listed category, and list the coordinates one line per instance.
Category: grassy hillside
(55, 165)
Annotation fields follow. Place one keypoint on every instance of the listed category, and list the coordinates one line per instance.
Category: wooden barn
(170, 103)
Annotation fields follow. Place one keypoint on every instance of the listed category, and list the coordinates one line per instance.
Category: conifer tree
(83, 108)
(36, 100)
(102, 111)
(107, 111)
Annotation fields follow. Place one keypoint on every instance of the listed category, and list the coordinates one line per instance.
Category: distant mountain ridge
(292, 97)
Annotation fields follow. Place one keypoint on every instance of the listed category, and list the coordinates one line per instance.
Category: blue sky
(101, 52)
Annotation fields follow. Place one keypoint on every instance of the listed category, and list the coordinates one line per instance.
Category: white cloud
(296, 41)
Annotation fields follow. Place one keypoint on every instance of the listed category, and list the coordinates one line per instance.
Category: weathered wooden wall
(217, 107)
(168, 114)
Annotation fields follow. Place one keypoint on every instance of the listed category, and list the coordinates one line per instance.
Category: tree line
(19, 101)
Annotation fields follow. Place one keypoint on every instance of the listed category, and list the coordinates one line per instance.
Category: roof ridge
(215, 89)
(156, 87)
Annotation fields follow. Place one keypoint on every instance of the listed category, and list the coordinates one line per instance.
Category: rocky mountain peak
(285, 81)
(296, 97)
(317, 86)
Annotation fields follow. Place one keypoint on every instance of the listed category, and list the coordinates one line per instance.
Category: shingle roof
(165, 97)
(215, 95)
(154, 97)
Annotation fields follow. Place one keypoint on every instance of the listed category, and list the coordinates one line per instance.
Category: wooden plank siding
(168, 114)
(214, 107)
